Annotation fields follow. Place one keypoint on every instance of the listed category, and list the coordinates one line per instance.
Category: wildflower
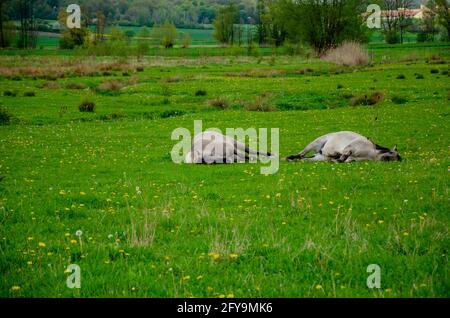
(110, 236)
(82, 193)
(78, 233)
(319, 287)
(30, 238)
(15, 288)
(215, 256)
(187, 277)
(231, 295)
(221, 296)
(41, 244)
(73, 241)
(380, 222)
(278, 195)
(30, 263)
(233, 255)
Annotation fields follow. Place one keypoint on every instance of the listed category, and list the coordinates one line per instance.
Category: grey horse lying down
(346, 146)
(211, 147)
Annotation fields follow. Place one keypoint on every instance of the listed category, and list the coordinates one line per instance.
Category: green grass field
(152, 228)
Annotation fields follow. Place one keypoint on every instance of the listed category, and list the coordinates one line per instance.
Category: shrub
(75, 86)
(29, 94)
(200, 92)
(261, 104)
(114, 86)
(399, 100)
(392, 37)
(348, 54)
(434, 71)
(9, 93)
(5, 116)
(50, 85)
(401, 76)
(87, 106)
(372, 99)
(220, 103)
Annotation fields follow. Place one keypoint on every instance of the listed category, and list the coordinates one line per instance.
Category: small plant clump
(87, 106)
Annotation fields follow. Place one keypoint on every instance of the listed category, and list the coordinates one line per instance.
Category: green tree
(187, 40)
(323, 23)
(442, 9)
(224, 24)
(166, 35)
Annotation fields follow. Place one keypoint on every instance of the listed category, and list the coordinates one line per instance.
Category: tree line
(321, 24)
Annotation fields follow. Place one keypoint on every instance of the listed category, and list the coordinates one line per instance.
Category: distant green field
(150, 228)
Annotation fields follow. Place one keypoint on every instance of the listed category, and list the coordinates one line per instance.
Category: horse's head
(389, 155)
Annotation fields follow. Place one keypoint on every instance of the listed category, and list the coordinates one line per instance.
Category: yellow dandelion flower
(82, 193)
(221, 296)
(15, 288)
(42, 244)
(215, 256)
(318, 287)
(30, 263)
(231, 295)
(278, 195)
(30, 238)
(233, 255)
(187, 277)
(380, 222)
(73, 241)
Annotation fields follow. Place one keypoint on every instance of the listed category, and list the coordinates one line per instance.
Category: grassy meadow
(152, 228)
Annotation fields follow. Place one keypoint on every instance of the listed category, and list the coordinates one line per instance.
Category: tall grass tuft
(348, 54)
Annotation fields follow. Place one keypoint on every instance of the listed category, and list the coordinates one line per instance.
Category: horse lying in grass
(346, 146)
(211, 147)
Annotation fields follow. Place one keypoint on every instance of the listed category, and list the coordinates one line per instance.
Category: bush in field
(9, 93)
(348, 54)
(200, 92)
(166, 35)
(187, 40)
(73, 38)
(372, 99)
(75, 86)
(399, 100)
(261, 104)
(87, 106)
(392, 37)
(5, 116)
(219, 103)
(29, 94)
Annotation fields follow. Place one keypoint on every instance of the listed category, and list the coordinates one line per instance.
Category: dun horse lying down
(346, 146)
(211, 147)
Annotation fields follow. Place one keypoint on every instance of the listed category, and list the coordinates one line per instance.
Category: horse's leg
(316, 146)
(317, 157)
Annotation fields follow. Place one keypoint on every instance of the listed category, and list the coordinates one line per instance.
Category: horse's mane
(378, 147)
(381, 148)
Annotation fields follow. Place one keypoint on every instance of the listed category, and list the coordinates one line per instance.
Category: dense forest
(183, 13)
